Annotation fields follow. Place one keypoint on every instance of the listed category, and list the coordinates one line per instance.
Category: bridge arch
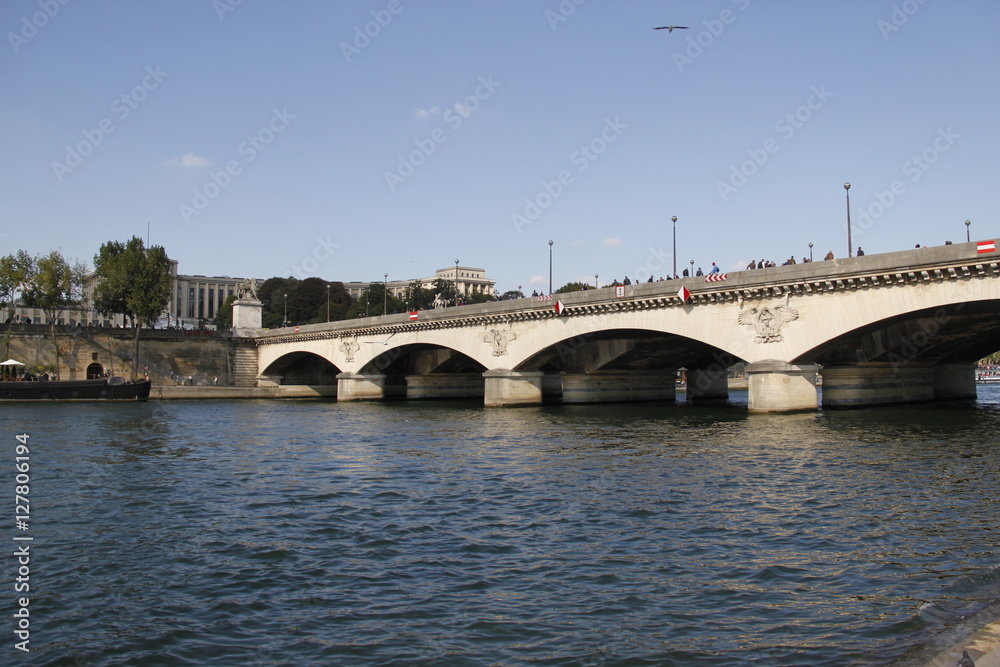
(301, 368)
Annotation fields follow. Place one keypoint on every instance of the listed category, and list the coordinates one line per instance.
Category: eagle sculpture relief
(767, 321)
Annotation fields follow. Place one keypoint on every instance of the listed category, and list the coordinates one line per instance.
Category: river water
(312, 532)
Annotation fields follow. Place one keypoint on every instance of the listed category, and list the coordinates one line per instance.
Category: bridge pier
(955, 382)
(355, 387)
(610, 387)
(777, 386)
(505, 387)
(444, 385)
(707, 384)
(877, 384)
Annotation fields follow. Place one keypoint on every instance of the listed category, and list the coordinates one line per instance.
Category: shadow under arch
(302, 368)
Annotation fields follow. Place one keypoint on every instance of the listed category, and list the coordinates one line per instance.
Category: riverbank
(979, 635)
(168, 392)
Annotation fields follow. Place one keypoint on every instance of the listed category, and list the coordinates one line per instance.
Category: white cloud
(578, 243)
(612, 242)
(538, 280)
(188, 161)
(424, 114)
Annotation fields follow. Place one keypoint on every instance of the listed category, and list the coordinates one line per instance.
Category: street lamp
(284, 322)
(674, 219)
(692, 269)
(520, 295)
(328, 302)
(595, 281)
(385, 292)
(550, 267)
(456, 282)
(967, 223)
(810, 251)
(850, 246)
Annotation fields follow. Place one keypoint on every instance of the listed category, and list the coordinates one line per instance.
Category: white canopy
(11, 362)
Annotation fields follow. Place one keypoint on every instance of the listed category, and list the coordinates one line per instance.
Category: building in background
(195, 299)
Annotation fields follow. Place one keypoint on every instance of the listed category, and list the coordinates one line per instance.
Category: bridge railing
(901, 262)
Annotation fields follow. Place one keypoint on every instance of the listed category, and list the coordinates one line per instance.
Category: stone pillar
(610, 387)
(955, 382)
(704, 385)
(444, 385)
(777, 386)
(354, 387)
(876, 384)
(505, 387)
(246, 317)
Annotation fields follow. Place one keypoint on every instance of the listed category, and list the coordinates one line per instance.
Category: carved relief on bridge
(498, 339)
(767, 321)
(349, 347)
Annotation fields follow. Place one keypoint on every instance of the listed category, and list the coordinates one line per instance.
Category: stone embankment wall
(203, 355)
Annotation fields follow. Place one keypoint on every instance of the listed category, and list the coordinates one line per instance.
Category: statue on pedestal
(247, 289)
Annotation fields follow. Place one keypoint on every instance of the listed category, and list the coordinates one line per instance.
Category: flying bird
(671, 28)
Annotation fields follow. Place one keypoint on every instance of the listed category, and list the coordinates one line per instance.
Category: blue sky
(350, 139)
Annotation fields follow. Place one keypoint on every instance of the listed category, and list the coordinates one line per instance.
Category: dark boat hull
(75, 390)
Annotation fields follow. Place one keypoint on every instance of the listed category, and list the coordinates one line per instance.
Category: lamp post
(328, 302)
(674, 220)
(595, 281)
(692, 268)
(550, 267)
(810, 251)
(520, 295)
(284, 322)
(456, 282)
(850, 246)
(385, 292)
(967, 223)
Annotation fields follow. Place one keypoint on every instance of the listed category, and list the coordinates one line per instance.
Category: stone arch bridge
(879, 329)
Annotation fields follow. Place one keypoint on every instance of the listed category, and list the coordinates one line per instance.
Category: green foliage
(512, 294)
(54, 286)
(573, 287)
(370, 302)
(16, 272)
(306, 301)
(132, 281)
(478, 297)
(418, 297)
(223, 319)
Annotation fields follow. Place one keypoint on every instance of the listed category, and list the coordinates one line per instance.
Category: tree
(134, 281)
(417, 297)
(224, 316)
(572, 287)
(370, 302)
(15, 273)
(512, 294)
(54, 287)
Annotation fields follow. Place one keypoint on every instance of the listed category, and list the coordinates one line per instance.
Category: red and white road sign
(545, 297)
(684, 294)
(715, 277)
(560, 308)
(296, 329)
(986, 246)
(413, 315)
